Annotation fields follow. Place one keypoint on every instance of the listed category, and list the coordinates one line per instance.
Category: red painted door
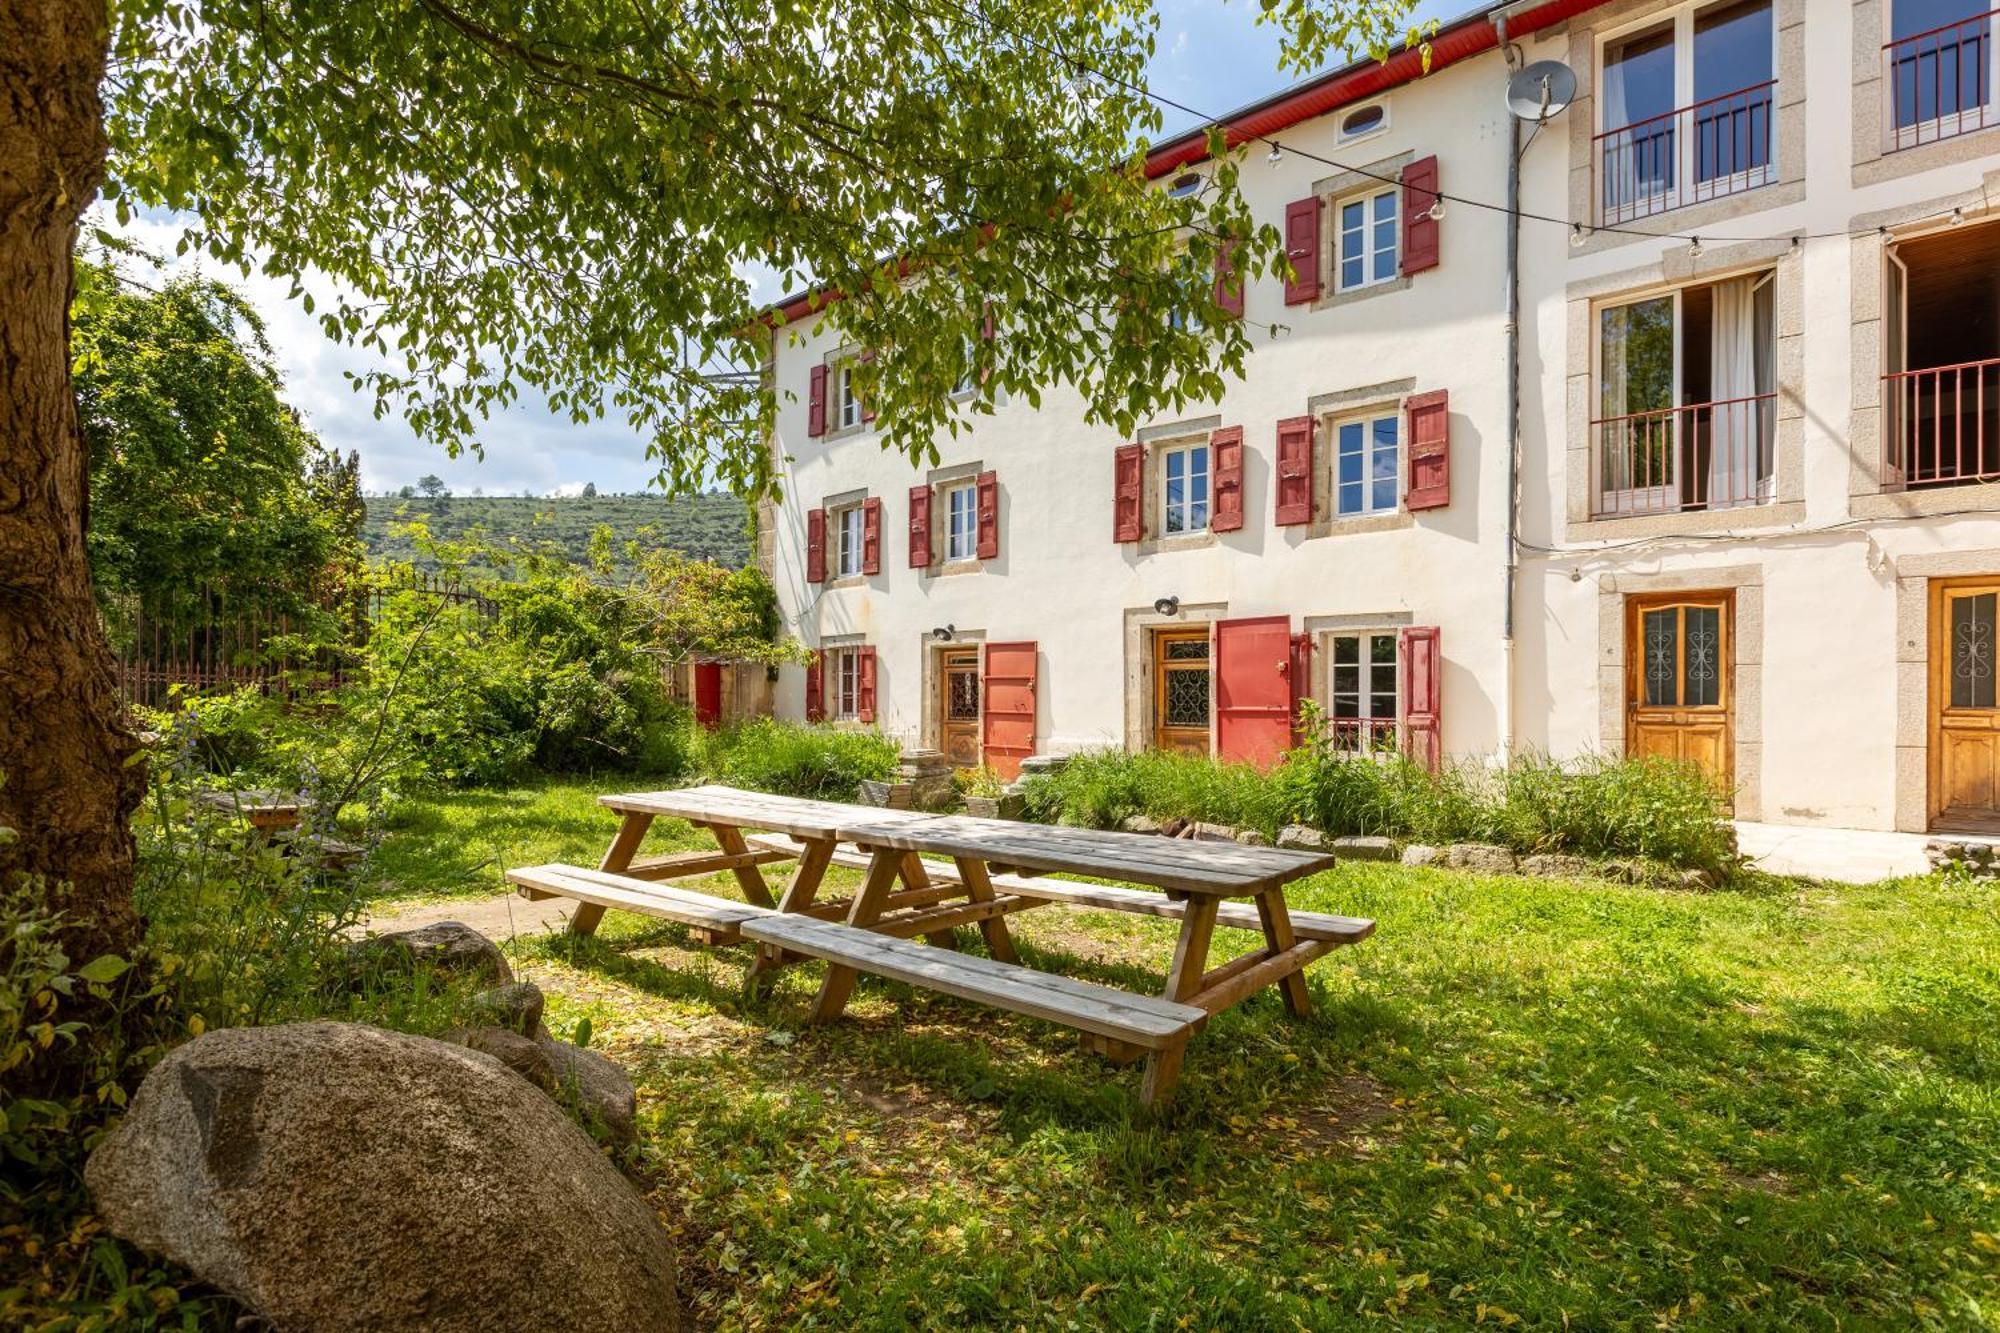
(1253, 689)
(1008, 701)
(708, 693)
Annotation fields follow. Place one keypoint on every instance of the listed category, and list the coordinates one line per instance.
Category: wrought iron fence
(1696, 456)
(1941, 425)
(1691, 154)
(1938, 84)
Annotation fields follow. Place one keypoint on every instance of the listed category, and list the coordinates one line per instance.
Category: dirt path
(497, 917)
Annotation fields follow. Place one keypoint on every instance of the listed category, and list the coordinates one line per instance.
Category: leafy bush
(818, 761)
(1102, 788)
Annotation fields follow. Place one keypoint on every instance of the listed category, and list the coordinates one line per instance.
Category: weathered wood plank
(752, 810)
(1139, 1019)
(681, 865)
(1253, 979)
(600, 889)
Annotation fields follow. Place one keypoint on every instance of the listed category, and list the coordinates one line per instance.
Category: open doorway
(1941, 386)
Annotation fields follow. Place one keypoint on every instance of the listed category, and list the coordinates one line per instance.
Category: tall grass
(816, 761)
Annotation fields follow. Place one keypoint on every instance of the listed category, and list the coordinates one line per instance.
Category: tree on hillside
(559, 197)
(590, 490)
(433, 488)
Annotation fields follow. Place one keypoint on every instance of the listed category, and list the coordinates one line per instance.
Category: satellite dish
(1541, 91)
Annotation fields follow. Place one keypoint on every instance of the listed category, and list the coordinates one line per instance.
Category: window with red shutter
(1302, 219)
(920, 527)
(1295, 461)
(864, 690)
(816, 546)
(816, 687)
(1423, 696)
(867, 407)
(1228, 282)
(1427, 420)
(989, 516)
(1420, 229)
(1225, 449)
(1128, 493)
(871, 536)
(816, 403)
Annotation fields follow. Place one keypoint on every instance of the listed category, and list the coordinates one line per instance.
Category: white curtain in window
(1735, 447)
(1613, 442)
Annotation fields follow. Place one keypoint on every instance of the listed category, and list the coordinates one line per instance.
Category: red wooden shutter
(1253, 689)
(1302, 248)
(816, 403)
(816, 687)
(989, 516)
(815, 546)
(1420, 229)
(871, 536)
(1129, 493)
(1301, 677)
(920, 526)
(864, 684)
(1225, 452)
(1427, 422)
(1007, 704)
(1295, 461)
(1228, 282)
(1423, 695)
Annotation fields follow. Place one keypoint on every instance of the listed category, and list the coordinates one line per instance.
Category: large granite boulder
(336, 1177)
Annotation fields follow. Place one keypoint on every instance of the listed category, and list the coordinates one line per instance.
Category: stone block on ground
(341, 1178)
(1252, 838)
(1201, 831)
(1421, 854)
(1558, 865)
(1142, 824)
(1304, 838)
(1364, 847)
(516, 1006)
(1485, 858)
(450, 947)
(599, 1084)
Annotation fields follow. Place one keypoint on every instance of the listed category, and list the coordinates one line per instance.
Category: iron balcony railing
(1714, 148)
(1939, 84)
(1941, 425)
(1694, 457)
(1362, 735)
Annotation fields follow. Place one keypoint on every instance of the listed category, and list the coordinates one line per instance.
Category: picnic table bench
(986, 870)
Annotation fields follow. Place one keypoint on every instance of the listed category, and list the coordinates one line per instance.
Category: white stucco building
(1759, 431)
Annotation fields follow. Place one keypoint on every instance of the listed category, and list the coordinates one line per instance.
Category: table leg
(1163, 1067)
(814, 857)
(883, 872)
(1278, 938)
(979, 888)
(748, 877)
(624, 847)
(916, 877)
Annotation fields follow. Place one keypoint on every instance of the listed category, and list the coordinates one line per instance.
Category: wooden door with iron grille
(1965, 713)
(1680, 658)
(958, 706)
(1182, 681)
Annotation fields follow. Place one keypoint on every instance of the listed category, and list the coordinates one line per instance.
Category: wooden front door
(1181, 688)
(1680, 657)
(958, 706)
(1965, 716)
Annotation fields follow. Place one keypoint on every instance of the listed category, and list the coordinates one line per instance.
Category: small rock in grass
(1556, 865)
(1626, 872)
(1303, 838)
(601, 1087)
(1141, 824)
(1419, 854)
(1364, 847)
(1204, 832)
(451, 947)
(516, 1006)
(522, 1054)
(1697, 879)
(1483, 857)
(1252, 838)
(1173, 828)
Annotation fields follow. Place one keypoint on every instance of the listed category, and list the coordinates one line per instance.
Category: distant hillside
(709, 527)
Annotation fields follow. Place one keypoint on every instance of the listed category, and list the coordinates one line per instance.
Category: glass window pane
(1637, 357)
(1660, 638)
(1384, 470)
(1972, 651)
(1940, 59)
(1702, 656)
(1732, 48)
(1638, 152)
(1346, 650)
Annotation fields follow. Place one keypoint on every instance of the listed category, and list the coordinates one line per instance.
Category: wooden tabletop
(755, 809)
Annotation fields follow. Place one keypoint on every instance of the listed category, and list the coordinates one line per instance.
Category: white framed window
(843, 684)
(961, 529)
(1365, 463)
(1183, 489)
(1361, 122)
(847, 538)
(1185, 185)
(1366, 234)
(1362, 701)
(848, 400)
(968, 376)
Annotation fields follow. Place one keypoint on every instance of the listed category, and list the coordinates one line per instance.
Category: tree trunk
(68, 790)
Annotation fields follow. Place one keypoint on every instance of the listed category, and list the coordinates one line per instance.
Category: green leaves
(103, 970)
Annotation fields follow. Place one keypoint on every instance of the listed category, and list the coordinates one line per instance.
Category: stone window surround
(834, 505)
(1868, 283)
(939, 479)
(1585, 46)
(1677, 268)
(833, 361)
(1334, 189)
(1322, 408)
(1747, 668)
(1873, 162)
(1322, 628)
(1156, 439)
(1140, 622)
(1914, 574)
(931, 653)
(829, 688)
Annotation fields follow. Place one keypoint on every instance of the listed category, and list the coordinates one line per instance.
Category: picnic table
(928, 874)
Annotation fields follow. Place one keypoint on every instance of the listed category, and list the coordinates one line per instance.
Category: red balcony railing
(1939, 84)
(1362, 735)
(1941, 425)
(1698, 456)
(1714, 148)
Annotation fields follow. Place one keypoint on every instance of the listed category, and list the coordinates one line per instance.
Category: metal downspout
(1512, 337)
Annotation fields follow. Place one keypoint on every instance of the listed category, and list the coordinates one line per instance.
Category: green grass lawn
(1557, 1104)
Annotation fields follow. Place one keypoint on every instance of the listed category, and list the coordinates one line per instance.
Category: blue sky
(1212, 55)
